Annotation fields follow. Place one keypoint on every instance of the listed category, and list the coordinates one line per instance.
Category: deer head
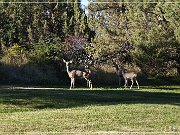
(67, 64)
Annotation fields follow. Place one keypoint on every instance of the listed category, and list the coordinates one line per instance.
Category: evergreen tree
(142, 32)
(109, 21)
(29, 24)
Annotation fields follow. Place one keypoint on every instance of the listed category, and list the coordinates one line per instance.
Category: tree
(140, 32)
(154, 38)
(29, 24)
(111, 24)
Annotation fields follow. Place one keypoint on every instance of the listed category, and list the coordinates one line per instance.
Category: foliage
(154, 38)
(138, 34)
(15, 55)
(27, 23)
(142, 33)
(40, 30)
(30, 24)
(44, 53)
(112, 33)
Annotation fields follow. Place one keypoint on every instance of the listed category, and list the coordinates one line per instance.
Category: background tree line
(34, 37)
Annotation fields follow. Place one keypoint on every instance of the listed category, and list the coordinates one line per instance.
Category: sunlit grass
(36, 109)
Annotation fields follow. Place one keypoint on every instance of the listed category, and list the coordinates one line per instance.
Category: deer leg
(87, 81)
(132, 83)
(71, 83)
(137, 83)
(125, 83)
(90, 84)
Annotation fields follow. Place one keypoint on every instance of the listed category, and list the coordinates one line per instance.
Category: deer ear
(64, 61)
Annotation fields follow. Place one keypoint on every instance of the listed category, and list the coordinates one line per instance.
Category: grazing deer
(73, 74)
(120, 71)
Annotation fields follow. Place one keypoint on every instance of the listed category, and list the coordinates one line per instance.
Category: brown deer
(89, 75)
(120, 71)
(73, 74)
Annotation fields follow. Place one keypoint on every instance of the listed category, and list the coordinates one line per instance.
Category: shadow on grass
(44, 98)
(165, 88)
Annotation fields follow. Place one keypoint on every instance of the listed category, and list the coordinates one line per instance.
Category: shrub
(28, 74)
(44, 53)
(15, 55)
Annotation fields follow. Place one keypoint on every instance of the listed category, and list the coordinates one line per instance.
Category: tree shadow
(59, 98)
(165, 88)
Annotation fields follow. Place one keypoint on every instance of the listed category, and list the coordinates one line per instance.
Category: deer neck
(67, 69)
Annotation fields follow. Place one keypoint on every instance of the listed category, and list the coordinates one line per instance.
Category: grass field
(102, 110)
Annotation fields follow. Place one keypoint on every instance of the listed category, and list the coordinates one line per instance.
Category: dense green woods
(143, 33)
(34, 37)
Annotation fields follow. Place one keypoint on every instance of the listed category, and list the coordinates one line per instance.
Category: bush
(36, 66)
(44, 53)
(28, 74)
(15, 55)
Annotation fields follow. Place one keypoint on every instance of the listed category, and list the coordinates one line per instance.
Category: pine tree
(141, 32)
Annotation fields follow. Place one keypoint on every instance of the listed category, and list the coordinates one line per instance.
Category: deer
(121, 72)
(89, 75)
(73, 74)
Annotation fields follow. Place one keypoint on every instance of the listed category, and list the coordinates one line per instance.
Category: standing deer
(89, 75)
(120, 71)
(73, 74)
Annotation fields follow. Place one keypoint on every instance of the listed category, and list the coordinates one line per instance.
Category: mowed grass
(55, 110)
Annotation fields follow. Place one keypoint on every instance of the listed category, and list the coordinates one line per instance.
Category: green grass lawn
(112, 110)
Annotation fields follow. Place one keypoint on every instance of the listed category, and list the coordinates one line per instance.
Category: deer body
(73, 74)
(118, 72)
(132, 76)
(88, 75)
(126, 75)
